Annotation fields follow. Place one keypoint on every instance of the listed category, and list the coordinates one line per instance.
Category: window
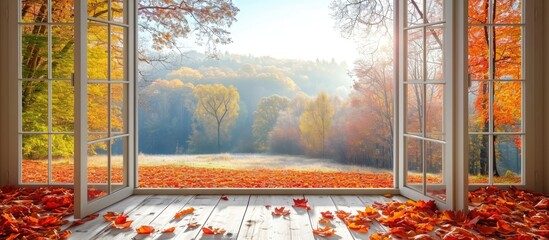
(425, 89)
(496, 93)
(46, 132)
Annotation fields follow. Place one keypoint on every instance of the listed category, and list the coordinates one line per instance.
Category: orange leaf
(213, 231)
(324, 221)
(125, 225)
(324, 232)
(144, 229)
(301, 203)
(280, 212)
(342, 214)
(327, 214)
(110, 216)
(192, 225)
(169, 230)
(121, 218)
(184, 212)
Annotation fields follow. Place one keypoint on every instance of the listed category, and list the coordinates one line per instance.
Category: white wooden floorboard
(322, 203)
(164, 220)
(92, 228)
(148, 211)
(300, 224)
(203, 206)
(351, 203)
(228, 214)
(259, 222)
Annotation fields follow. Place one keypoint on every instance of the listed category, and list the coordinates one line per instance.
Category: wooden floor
(242, 216)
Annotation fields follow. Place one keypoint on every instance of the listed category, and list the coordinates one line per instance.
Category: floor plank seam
(337, 208)
(243, 217)
(209, 215)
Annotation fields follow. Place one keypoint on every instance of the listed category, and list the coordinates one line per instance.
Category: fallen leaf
(280, 212)
(193, 225)
(184, 212)
(125, 225)
(301, 203)
(324, 232)
(342, 214)
(144, 229)
(168, 230)
(224, 197)
(327, 214)
(213, 231)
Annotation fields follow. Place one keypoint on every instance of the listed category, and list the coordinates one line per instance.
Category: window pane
(62, 167)
(118, 53)
(119, 112)
(435, 11)
(478, 11)
(414, 163)
(97, 170)
(118, 161)
(508, 159)
(508, 11)
(508, 52)
(414, 109)
(434, 167)
(415, 55)
(98, 98)
(478, 159)
(415, 12)
(34, 106)
(98, 9)
(117, 10)
(507, 106)
(34, 164)
(34, 10)
(62, 51)
(434, 111)
(98, 58)
(435, 56)
(62, 106)
(62, 10)
(479, 106)
(34, 52)
(478, 53)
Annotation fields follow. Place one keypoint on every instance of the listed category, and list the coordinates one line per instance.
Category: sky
(295, 29)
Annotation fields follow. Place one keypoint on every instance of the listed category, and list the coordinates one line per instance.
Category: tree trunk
(219, 137)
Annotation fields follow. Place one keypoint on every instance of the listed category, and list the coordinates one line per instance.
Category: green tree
(265, 118)
(315, 123)
(216, 109)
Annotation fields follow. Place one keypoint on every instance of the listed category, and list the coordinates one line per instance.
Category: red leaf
(224, 197)
(125, 225)
(301, 203)
(280, 212)
(327, 214)
(169, 230)
(144, 229)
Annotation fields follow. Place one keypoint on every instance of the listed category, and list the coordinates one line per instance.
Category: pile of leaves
(494, 213)
(34, 213)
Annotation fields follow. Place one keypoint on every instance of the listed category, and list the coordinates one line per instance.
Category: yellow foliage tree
(216, 109)
(315, 123)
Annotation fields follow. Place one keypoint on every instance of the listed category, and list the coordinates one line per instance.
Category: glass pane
(34, 52)
(98, 57)
(414, 109)
(98, 98)
(478, 11)
(415, 12)
(415, 55)
(435, 56)
(508, 159)
(62, 106)
(118, 108)
(508, 11)
(435, 10)
(62, 10)
(34, 106)
(478, 107)
(98, 9)
(34, 164)
(62, 63)
(34, 10)
(507, 106)
(118, 51)
(478, 159)
(118, 160)
(434, 167)
(414, 163)
(508, 52)
(434, 111)
(98, 159)
(117, 10)
(478, 53)
(62, 165)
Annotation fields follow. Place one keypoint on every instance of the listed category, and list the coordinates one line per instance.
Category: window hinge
(468, 81)
(72, 79)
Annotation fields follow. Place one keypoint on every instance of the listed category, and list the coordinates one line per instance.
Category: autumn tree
(265, 118)
(216, 109)
(315, 124)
